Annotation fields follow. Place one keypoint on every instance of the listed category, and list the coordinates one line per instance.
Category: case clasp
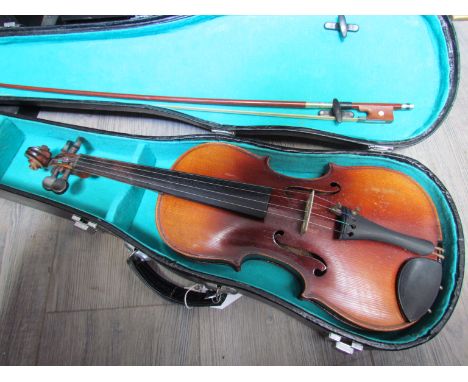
(343, 346)
(342, 26)
(84, 224)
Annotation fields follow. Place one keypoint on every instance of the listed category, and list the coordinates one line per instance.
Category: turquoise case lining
(132, 210)
(250, 57)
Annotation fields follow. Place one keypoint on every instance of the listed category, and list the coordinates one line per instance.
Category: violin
(365, 241)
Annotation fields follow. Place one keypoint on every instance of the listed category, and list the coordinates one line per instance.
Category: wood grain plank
(253, 333)
(28, 240)
(90, 272)
(450, 347)
(164, 335)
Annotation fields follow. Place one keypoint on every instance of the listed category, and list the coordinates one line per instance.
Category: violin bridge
(307, 213)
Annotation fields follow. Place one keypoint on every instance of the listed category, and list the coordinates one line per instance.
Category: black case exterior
(31, 106)
(67, 212)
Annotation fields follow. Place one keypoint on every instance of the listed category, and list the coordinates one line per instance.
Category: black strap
(146, 269)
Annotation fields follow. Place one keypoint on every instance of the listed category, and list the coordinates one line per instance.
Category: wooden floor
(68, 298)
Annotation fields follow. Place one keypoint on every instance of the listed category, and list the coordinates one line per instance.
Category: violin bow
(337, 111)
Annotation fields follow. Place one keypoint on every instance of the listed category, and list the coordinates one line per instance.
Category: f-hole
(335, 185)
(299, 251)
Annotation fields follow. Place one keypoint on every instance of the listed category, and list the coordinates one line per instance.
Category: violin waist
(355, 279)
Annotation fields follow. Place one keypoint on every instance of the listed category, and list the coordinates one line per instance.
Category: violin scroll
(41, 157)
(38, 157)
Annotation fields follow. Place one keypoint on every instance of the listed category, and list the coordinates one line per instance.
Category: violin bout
(368, 283)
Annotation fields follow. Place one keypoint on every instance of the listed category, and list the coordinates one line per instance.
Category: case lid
(394, 59)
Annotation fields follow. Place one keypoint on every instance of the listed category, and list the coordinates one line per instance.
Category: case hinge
(223, 132)
(84, 224)
(347, 348)
(380, 148)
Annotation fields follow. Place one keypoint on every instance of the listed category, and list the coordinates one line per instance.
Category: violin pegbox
(41, 157)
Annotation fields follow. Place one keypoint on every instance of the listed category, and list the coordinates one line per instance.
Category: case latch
(84, 224)
(343, 346)
(342, 26)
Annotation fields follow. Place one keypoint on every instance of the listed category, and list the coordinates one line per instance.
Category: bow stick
(375, 112)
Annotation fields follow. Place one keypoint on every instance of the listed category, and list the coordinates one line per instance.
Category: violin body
(357, 280)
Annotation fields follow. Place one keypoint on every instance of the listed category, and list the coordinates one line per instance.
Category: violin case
(389, 59)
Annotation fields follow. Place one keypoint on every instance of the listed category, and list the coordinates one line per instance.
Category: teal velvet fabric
(132, 210)
(391, 59)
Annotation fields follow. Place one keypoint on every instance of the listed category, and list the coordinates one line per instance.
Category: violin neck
(247, 199)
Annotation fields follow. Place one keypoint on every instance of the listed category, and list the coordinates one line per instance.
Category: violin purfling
(365, 241)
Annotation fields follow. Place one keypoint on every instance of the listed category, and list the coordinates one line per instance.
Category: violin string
(83, 167)
(240, 197)
(99, 165)
(239, 205)
(210, 198)
(86, 167)
(155, 170)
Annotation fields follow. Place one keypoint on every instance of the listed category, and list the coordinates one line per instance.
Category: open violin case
(388, 59)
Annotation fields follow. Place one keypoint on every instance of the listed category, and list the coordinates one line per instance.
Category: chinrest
(418, 285)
